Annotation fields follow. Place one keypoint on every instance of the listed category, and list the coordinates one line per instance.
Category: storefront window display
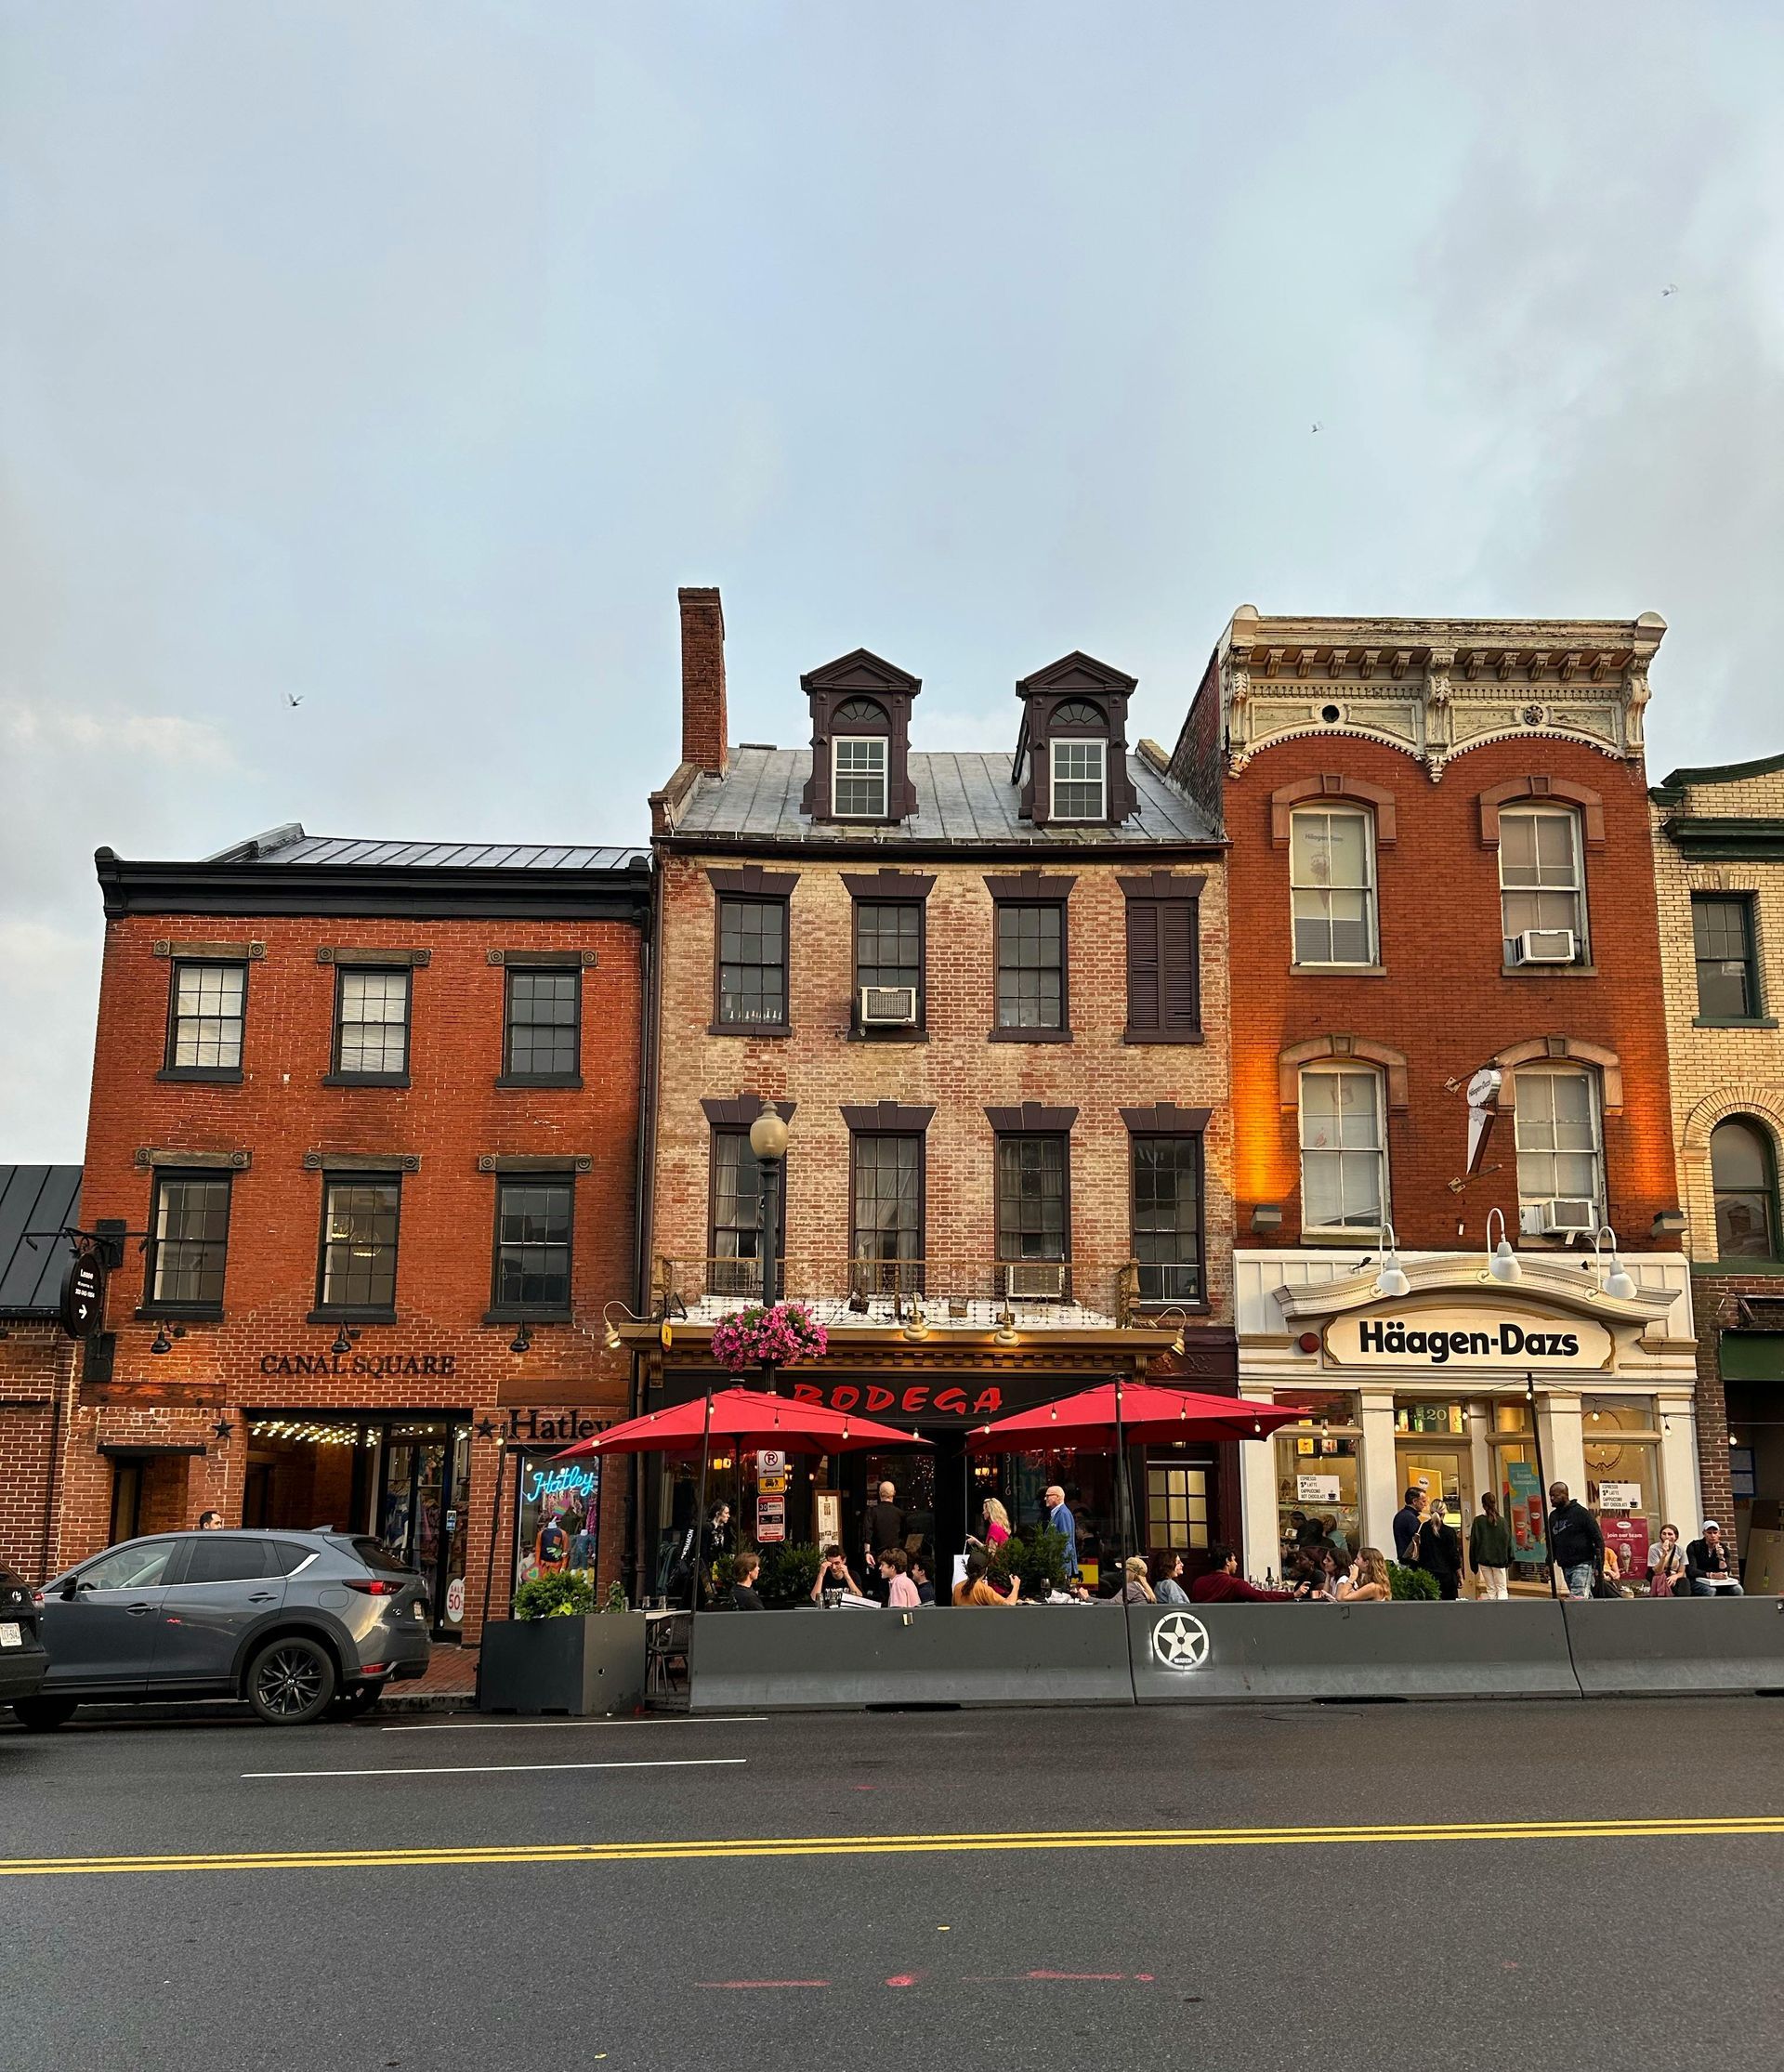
(1432, 1453)
(1521, 1496)
(1623, 1444)
(1316, 1474)
(556, 1517)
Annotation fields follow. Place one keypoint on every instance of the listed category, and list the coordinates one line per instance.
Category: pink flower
(783, 1334)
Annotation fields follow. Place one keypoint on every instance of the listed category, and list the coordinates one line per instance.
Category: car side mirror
(73, 1590)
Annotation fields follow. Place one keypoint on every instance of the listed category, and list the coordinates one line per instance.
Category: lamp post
(768, 1142)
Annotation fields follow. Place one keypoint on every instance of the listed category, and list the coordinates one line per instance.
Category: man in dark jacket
(1224, 1584)
(1406, 1526)
(1441, 1552)
(1706, 1563)
(885, 1530)
(1576, 1545)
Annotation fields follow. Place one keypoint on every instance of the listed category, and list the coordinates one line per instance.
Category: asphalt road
(671, 1894)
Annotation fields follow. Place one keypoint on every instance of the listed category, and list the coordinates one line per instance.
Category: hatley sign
(1474, 1334)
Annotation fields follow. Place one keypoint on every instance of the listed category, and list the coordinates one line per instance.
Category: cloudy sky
(402, 358)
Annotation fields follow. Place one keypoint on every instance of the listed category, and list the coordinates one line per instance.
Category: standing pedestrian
(1406, 1527)
(1060, 1520)
(1441, 1552)
(883, 1529)
(1489, 1550)
(1576, 1545)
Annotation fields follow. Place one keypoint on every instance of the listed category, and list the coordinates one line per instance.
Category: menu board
(1619, 1496)
(1316, 1489)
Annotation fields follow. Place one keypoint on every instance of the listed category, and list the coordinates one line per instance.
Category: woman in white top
(1665, 1564)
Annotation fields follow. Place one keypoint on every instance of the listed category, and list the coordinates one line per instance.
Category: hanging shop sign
(1427, 1337)
(1316, 1489)
(81, 1307)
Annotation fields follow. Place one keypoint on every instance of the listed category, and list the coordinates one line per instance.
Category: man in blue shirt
(1060, 1519)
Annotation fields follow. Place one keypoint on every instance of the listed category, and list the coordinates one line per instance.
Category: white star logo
(1179, 1642)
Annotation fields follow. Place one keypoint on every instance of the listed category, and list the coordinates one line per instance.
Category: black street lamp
(768, 1142)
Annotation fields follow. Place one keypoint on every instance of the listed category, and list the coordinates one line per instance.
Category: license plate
(10, 1636)
(421, 1611)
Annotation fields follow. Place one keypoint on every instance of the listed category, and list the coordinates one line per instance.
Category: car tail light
(375, 1586)
(37, 1597)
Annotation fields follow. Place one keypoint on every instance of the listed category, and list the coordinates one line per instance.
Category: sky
(402, 358)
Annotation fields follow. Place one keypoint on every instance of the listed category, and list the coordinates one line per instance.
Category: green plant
(1410, 1584)
(1039, 1559)
(615, 1599)
(557, 1594)
(788, 1573)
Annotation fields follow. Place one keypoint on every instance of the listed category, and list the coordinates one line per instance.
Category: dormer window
(1078, 748)
(860, 730)
(858, 760)
(1070, 763)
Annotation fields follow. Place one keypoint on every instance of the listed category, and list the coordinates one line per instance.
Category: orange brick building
(364, 1131)
(1447, 1000)
(987, 992)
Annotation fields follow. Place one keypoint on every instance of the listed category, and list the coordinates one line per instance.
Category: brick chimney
(703, 681)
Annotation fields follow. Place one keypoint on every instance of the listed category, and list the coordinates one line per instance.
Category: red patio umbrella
(1115, 1414)
(746, 1416)
(743, 1414)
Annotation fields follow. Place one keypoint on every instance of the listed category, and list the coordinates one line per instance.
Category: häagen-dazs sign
(1512, 1335)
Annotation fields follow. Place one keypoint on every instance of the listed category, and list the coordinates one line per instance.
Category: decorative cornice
(361, 1162)
(210, 952)
(493, 1162)
(1542, 1280)
(888, 885)
(1166, 1119)
(890, 1118)
(1029, 885)
(739, 1113)
(542, 960)
(155, 1155)
(1032, 1116)
(749, 881)
(330, 953)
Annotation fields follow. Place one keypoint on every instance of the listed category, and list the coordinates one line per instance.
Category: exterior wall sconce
(1266, 1215)
(162, 1344)
(522, 1341)
(1619, 1284)
(1391, 1281)
(1502, 1262)
(917, 1327)
(1006, 1332)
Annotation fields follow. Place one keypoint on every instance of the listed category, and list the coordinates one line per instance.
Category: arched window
(1344, 1148)
(861, 711)
(1744, 1178)
(1332, 880)
(1077, 716)
(859, 760)
(1542, 885)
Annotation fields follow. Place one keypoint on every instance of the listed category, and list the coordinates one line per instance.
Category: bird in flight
(293, 703)
(1318, 425)
(1672, 287)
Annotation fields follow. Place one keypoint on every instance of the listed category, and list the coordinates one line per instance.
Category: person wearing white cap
(1706, 1563)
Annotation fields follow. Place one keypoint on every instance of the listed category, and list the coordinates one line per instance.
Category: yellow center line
(746, 1847)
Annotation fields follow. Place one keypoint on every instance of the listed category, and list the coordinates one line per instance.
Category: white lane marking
(530, 1727)
(486, 1769)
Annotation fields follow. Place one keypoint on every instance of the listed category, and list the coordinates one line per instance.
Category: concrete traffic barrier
(1208, 1652)
(840, 1660)
(1631, 1648)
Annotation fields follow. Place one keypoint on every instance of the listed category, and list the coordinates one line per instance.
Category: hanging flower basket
(783, 1332)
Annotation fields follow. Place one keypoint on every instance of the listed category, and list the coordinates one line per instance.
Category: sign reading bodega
(1440, 1335)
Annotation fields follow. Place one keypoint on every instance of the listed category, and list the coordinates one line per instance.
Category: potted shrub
(558, 1654)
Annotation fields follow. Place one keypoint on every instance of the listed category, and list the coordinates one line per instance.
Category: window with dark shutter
(1164, 972)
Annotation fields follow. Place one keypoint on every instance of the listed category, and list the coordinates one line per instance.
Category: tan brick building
(987, 992)
(1719, 850)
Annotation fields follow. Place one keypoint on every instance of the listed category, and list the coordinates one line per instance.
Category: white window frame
(1527, 810)
(838, 775)
(1371, 955)
(1331, 1070)
(1524, 1077)
(1076, 741)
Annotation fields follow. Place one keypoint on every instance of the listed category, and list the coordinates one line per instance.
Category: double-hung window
(858, 776)
(204, 1019)
(886, 1234)
(1560, 1153)
(189, 1242)
(533, 1227)
(1344, 1148)
(1331, 879)
(1030, 965)
(1744, 1178)
(1721, 931)
(1167, 1217)
(359, 1263)
(371, 1025)
(1031, 1210)
(1078, 778)
(752, 963)
(889, 958)
(543, 1026)
(1542, 880)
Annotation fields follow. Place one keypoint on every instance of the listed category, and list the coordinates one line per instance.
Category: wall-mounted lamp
(1617, 1284)
(1502, 1262)
(1006, 1332)
(522, 1341)
(917, 1327)
(1391, 1281)
(1266, 1215)
(162, 1342)
(343, 1344)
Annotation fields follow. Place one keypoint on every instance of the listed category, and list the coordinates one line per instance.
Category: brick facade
(36, 1397)
(266, 1360)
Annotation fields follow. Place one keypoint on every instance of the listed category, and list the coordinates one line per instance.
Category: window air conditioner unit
(888, 1007)
(1545, 946)
(1566, 1217)
(1036, 1279)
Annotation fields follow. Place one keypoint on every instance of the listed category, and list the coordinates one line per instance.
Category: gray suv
(298, 1624)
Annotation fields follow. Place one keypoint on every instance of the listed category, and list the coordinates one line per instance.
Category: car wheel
(350, 1704)
(291, 1680)
(40, 1715)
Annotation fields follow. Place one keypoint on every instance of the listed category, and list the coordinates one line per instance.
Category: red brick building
(1447, 1000)
(38, 1204)
(364, 1125)
(987, 992)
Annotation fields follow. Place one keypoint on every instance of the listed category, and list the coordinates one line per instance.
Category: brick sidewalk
(449, 1686)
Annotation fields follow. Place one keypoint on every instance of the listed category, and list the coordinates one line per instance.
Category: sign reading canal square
(1514, 1336)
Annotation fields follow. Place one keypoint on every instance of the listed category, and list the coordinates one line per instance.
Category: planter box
(577, 1667)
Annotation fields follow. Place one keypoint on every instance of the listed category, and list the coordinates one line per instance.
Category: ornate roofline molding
(1542, 1282)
